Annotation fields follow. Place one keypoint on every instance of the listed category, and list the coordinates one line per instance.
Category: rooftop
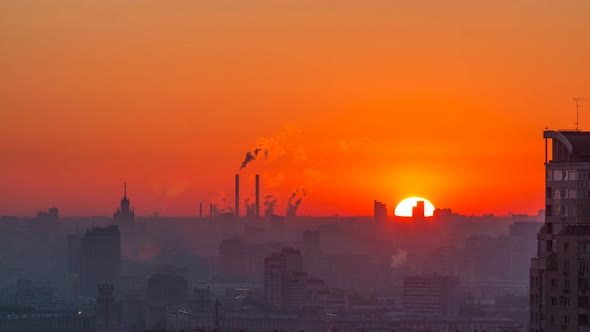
(576, 143)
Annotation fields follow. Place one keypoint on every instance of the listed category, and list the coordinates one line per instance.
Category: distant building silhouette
(284, 279)
(106, 314)
(379, 211)
(74, 244)
(431, 296)
(418, 210)
(100, 259)
(125, 214)
(51, 215)
(560, 273)
(166, 288)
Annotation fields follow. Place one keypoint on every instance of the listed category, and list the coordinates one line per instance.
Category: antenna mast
(577, 100)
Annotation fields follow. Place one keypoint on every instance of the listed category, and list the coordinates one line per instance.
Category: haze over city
(382, 99)
(294, 166)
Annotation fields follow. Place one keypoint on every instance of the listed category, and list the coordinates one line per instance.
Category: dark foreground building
(560, 273)
(100, 259)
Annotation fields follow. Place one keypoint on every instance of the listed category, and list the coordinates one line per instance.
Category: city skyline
(294, 166)
(422, 99)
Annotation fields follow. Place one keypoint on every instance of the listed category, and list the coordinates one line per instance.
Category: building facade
(431, 296)
(558, 272)
(100, 259)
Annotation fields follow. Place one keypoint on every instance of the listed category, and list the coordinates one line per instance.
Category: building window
(553, 320)
(557, 175)
(553, 283)
(566, 320)
(553, 301)
(566, 283)
(548, 193)
(548, 210)
(572, 193)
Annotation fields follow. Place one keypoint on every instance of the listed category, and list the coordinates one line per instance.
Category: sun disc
(405, 208)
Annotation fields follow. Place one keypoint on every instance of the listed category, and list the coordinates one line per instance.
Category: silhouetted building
(379, 211)
(166, 288)
(100, 258)
(418, 211)
(74, 244)
(106, 316)
(240, 260)
(559, 278)
(134, 312)
(283, 279)
(522, 246)
(448, 261)
(74, 248)
(124, 214)
(51, 215)
(431, 296)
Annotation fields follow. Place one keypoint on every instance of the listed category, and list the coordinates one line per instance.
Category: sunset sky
(359, 100)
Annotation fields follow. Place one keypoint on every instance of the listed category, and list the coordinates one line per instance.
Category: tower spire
(125, 190)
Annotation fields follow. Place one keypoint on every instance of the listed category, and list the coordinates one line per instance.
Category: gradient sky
(361, 100)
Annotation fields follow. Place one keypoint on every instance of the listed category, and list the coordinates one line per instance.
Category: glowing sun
(405, 207)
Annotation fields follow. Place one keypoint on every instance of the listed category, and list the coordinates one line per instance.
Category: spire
(125, 190)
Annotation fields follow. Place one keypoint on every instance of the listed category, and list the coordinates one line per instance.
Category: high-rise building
(559, 274)
(379, 211)
(448, 261)
(418, 211)
(51, 215)
(522, 244)
(106, 317)
(100, 259)
(283, 279)
(124, 214)
(431, 296)
(74, 251)
(166, 288)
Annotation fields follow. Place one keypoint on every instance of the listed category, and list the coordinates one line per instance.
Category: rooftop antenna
(577, 100)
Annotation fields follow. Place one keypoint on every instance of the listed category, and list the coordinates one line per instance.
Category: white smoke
(399, 258)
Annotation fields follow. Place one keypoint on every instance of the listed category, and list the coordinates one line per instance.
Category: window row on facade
(567, 175)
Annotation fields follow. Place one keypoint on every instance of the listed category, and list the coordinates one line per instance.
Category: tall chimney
(201, 210)
(257, 195)
(210, 209)
(237, 211)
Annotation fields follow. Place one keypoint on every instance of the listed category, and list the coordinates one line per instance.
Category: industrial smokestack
(237, 210)
(257, 195)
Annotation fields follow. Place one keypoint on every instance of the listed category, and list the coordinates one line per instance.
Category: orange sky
(381, 100)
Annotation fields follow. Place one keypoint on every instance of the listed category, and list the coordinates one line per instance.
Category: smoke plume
(270, 147)
(270, 203)
(295, 201)
(399, 258)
